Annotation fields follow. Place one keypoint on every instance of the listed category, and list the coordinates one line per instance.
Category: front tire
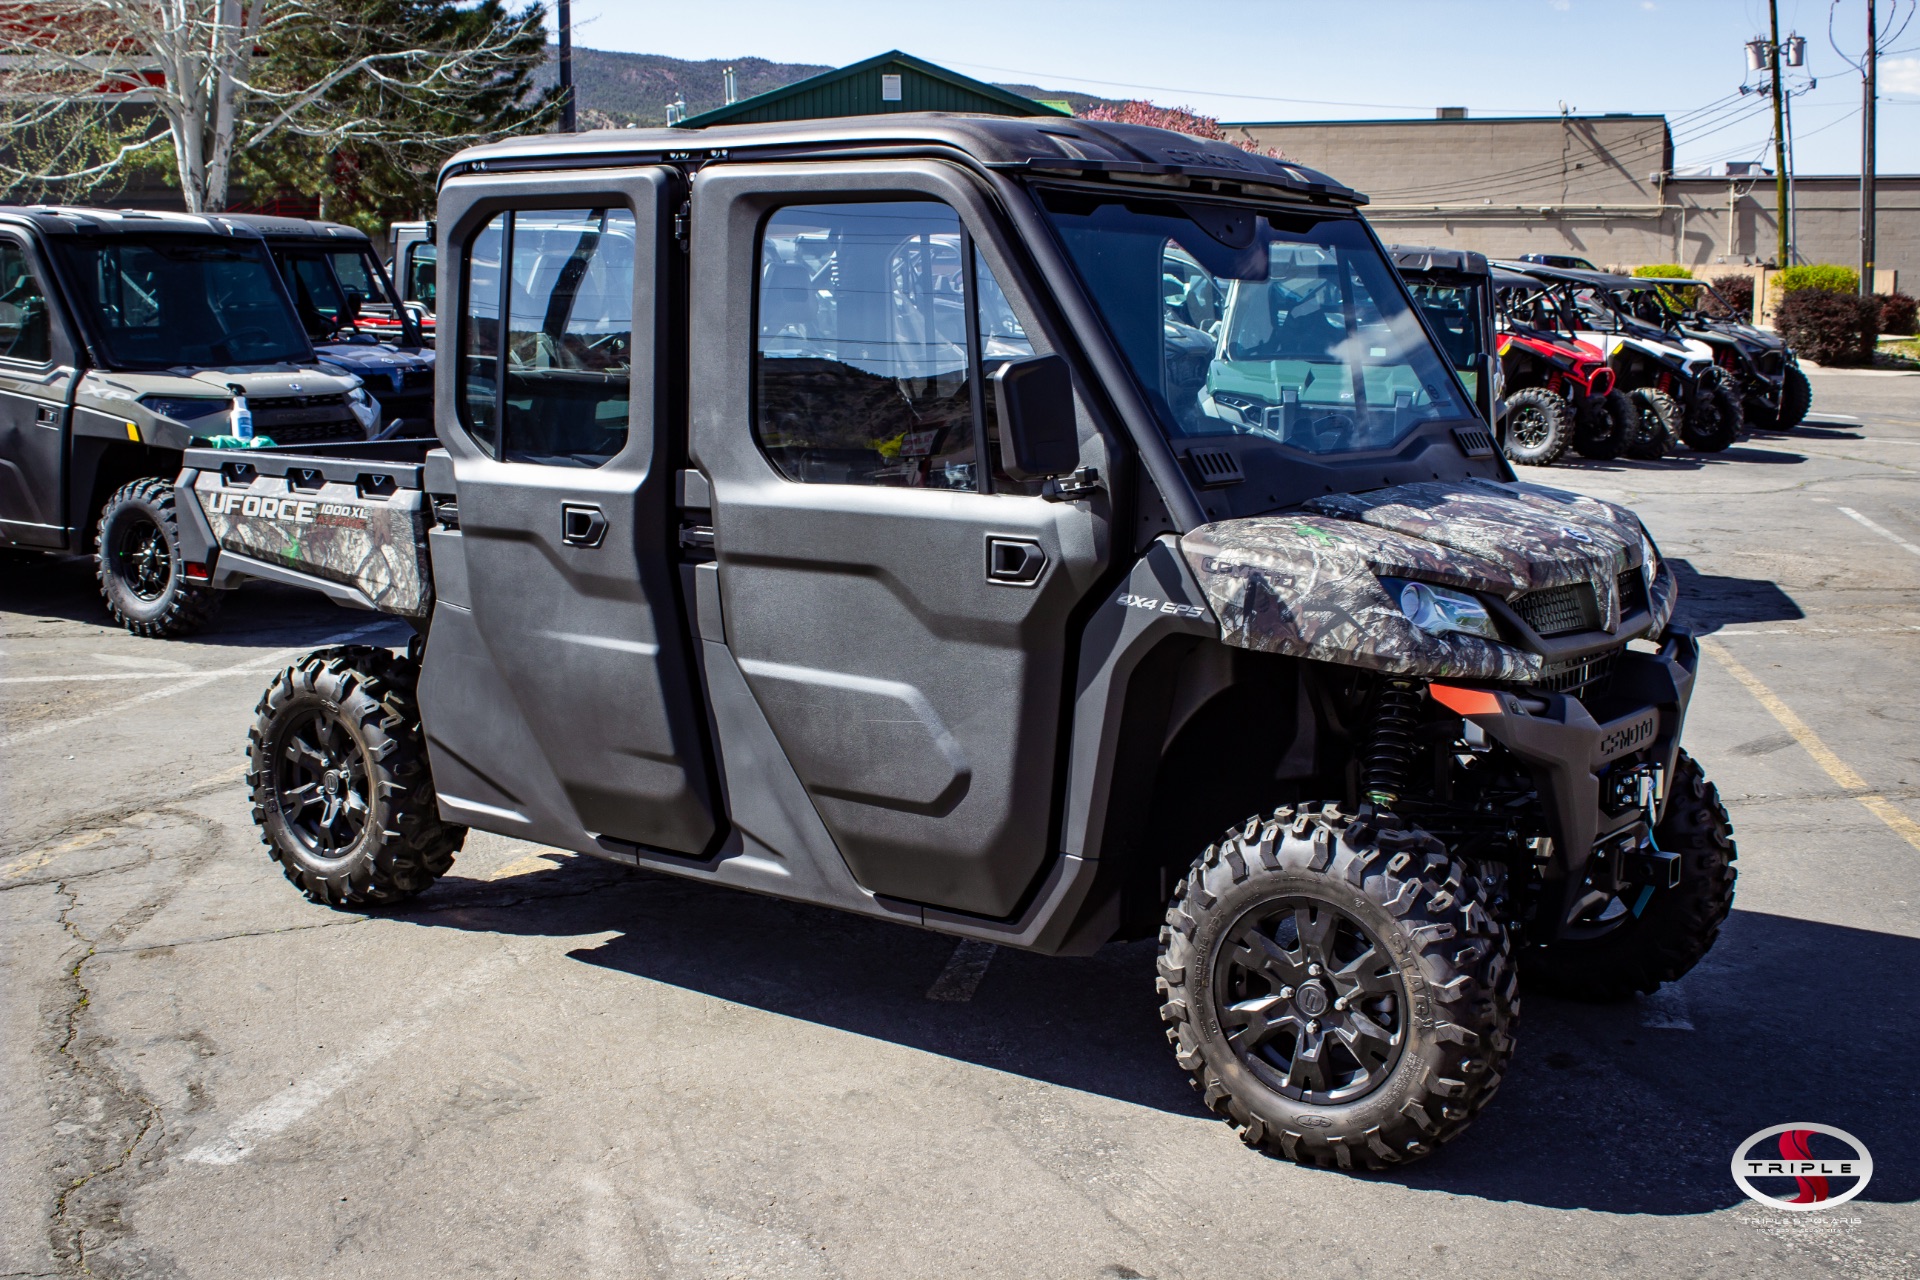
(1714, 421)
(141, 571)
(1796, 398)
(1338, 991)
(1674, 927)
(1538, 427)
(341, 790)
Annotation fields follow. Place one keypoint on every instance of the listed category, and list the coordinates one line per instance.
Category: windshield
(1453, 312)
(179, 300)
(1288, 326)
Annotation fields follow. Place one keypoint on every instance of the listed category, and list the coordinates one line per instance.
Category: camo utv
(1040, 531)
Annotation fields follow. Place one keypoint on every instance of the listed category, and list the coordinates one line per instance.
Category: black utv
(125, 337)
(1766, 374)
(830, 510)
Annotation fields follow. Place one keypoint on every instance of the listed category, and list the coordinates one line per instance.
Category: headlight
(1649, 560)
(186, 408)
(359, 396)
(1439, 610)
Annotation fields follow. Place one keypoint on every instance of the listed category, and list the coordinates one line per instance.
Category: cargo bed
(347, 520)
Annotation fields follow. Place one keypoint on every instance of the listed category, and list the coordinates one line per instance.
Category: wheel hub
(321, 778)
(1310, 1000)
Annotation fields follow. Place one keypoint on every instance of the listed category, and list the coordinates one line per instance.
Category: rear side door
(898, 606)
(558, 690)
(36, 387)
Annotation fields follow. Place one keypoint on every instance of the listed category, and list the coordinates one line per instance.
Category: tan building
(1601, 187)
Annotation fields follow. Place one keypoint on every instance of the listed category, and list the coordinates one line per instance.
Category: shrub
(1829, 327)
(1738, 291)
(1663, 271)
(1822, 275)
(1897, 312)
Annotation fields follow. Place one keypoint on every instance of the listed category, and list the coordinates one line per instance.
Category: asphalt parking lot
(549, 1066)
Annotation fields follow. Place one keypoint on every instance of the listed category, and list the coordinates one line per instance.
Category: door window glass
(862, 375)
(568, 337)
(422, 273)
(480, 336)
(24, 326)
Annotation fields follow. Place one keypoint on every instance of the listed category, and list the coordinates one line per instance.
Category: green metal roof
(857, 90)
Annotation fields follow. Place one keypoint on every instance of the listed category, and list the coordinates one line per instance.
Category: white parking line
(1888, 534)
(187, 685)
(296, 1101)
(961, 978)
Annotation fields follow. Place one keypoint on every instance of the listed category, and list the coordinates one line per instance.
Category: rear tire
(1338, 992)
(341, 790)
(1538, 427)
(1796, 398)
(142, 575)
(1676, 927)
(1659, 432)
(1606, 425)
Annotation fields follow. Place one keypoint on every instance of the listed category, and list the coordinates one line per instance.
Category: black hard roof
(1037, 144)
(1504, 278)
(1571, 275)
(287, 229)
(1420, 260)
(80, 220)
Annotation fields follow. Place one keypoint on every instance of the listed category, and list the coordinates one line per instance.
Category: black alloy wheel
(1311, 1001)
(140, 558)
(139, 563)
(320, 782)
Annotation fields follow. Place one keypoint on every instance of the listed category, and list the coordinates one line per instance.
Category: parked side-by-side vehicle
(125, 337)
(1043, 532)
(356, 321)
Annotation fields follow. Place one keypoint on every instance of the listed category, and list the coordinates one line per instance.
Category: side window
(862, 369)
(25, 332)
(550, 384)
(421, 275)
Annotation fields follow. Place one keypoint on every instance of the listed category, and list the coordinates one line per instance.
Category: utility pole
(568, 123)
(1779, 132)
(1866, 152)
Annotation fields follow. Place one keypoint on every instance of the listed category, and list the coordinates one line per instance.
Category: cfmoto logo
(1820, 1165)
(1578, 535)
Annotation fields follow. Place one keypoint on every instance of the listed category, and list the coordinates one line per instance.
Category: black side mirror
(1033, 399)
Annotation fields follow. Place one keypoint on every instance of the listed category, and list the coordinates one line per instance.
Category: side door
(36, 387)
(559, 692)
(899, 607)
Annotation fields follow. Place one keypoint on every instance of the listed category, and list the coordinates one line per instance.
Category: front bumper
(1578, 762)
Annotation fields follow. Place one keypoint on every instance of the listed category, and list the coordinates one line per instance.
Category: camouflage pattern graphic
(377, 545)
(1308, 585)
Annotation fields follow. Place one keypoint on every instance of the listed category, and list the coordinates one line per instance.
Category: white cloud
(1900, 75)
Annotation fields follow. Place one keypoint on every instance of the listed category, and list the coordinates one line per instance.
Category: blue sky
(1361, 59)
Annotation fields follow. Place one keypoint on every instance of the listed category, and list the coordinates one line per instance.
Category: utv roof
(1040, 145)
(1413, 260)
(1571, 275)
(78, 220)
(1506, 278)
(285, 230)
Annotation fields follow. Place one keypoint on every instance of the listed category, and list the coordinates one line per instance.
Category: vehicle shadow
(1709, 602)
(1683, 462)
(65, 588)
(1630, 1108)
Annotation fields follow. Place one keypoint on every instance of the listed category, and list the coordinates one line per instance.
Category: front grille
(1633, 592)
(1554, 611)
(1581, 677)
(312, 433)
(1771, 362)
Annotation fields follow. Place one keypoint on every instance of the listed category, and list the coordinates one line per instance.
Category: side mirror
(1033, 399)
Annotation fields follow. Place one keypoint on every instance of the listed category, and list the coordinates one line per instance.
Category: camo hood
(1308, 584)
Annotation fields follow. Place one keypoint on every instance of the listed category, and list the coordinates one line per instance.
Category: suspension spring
(1390, 748)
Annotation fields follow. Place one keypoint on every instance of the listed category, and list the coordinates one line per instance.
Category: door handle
(48, 415)
(582, 524)
(1014, 562)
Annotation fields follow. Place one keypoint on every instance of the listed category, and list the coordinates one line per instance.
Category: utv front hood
(1308, 584)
